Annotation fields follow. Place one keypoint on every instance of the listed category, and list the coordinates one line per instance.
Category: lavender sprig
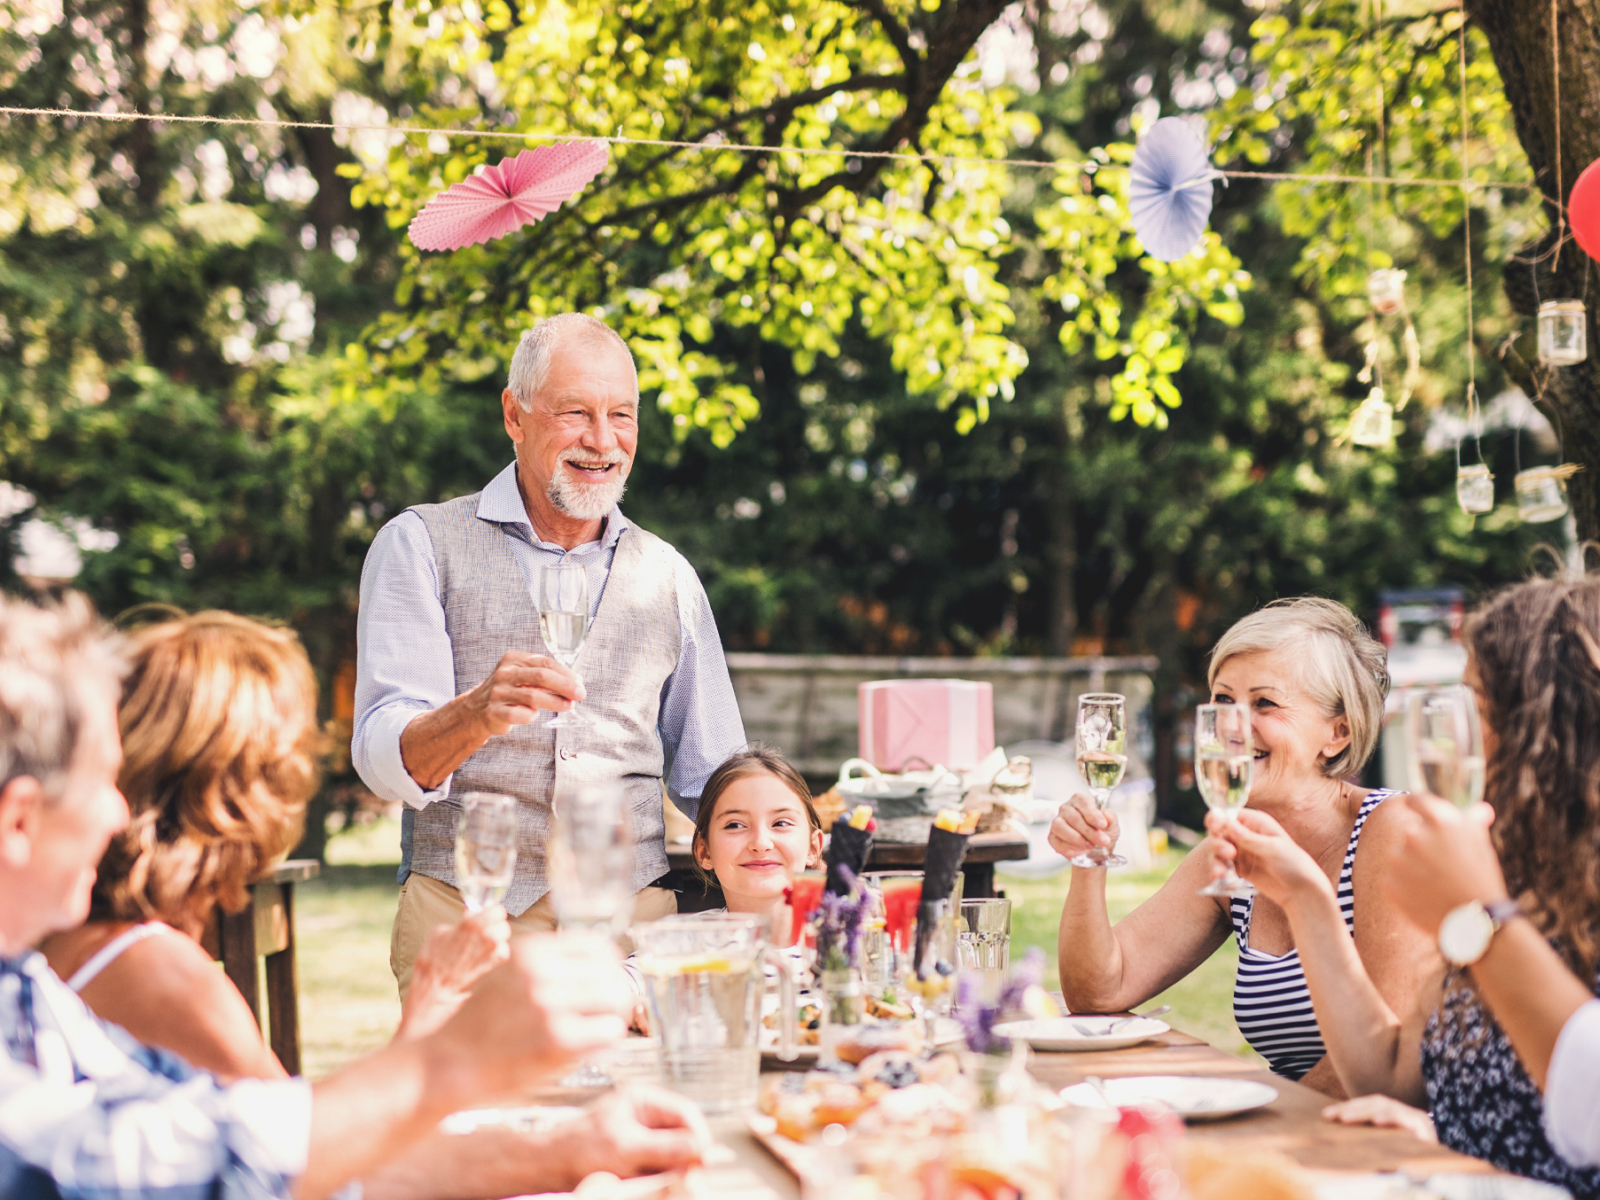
(839, 921)
(979, 1019)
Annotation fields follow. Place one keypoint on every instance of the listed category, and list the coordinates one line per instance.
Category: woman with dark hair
(1523, 919)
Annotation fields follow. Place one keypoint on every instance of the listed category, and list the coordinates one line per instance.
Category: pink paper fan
(504, 198)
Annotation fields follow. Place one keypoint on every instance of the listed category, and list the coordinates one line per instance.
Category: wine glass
(564, 621)
(1444, 740)
(1224, 756)
(1102, 758)
(486, 848)
(590, 863)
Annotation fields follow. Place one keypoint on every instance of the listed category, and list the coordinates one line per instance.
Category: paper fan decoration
(1583, 210)
(1170, 194)
(503, 198)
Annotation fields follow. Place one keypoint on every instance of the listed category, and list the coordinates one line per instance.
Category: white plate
(946, 1032)
(1396, 1186)
(1083, 1033)
(1192, 1097)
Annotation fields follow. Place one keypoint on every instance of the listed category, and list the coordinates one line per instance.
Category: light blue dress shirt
(404, 666)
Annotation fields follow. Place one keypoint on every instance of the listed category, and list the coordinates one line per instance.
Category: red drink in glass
(901, 895)
(804, 899)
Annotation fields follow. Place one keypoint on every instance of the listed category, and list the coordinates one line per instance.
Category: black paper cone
(849, 847)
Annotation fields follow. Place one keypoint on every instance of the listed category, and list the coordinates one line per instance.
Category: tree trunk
(1519, 34)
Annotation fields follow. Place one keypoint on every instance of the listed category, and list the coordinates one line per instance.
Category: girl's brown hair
(754, 759)
(219, 737)
(1536, 647)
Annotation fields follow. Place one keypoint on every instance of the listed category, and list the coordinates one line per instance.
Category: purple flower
(978, 1019)
(839, 921)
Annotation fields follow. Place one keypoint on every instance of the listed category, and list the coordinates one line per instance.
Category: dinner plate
(1084, 1033)
(1192, 1097)
(1460, 1186)
(946, 1032)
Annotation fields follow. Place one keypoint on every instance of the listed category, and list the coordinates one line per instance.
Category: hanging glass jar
(1563, 333)
(1386, 289)
(1542, 493)
(1373, 423)
(1474, 489)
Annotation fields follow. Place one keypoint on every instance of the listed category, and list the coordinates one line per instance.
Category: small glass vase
(1372, 424)
(1474, 489)
(999, 1076)
(843, 1007)
(1563, 333)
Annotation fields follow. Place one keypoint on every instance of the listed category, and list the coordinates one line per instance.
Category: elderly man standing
(452, 668)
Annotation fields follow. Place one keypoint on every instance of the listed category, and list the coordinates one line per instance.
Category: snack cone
(849, 847)
(946, 849)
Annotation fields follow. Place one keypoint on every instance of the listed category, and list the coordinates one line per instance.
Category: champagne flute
(590, 862)
(486, 848)
(1102, 759)
(1444, 738)
(564, 622)
(1224, 757)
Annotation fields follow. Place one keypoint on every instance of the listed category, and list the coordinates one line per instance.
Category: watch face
(1465, 933)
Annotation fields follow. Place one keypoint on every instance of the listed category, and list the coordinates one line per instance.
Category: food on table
(947, 847)
(861, 818)
(887, 1008)
(901, 895)
(935, 983)
(858, 1042)
(948, 819)
(805, 896)
(848, 849)
(809, 1023)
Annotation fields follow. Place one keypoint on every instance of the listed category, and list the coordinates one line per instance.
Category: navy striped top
(1271, 1003)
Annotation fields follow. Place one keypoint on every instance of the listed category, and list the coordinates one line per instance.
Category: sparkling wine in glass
(1224, 757)
(1102, 759)
(564, 621)
(1444, 737)
(486, 848)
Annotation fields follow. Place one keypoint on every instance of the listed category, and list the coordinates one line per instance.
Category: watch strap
(1501, 911)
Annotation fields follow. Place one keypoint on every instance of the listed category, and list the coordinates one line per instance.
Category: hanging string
(1561, 192)
(728, 147)
(1474, 415)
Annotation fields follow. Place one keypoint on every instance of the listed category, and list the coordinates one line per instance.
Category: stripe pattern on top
(1271, 1003)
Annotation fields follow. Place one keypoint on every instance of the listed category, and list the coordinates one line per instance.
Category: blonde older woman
(1315, 681)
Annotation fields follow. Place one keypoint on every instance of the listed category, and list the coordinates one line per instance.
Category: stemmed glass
(1102, 758)
(486, 848)
(590, 862)
(1224, 757)
(1444, 739)
(564, 622)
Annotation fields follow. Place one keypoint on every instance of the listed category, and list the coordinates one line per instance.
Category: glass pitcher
(704, 977)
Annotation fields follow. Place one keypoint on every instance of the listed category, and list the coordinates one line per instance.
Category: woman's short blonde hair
(1342, 665)
(219, 739)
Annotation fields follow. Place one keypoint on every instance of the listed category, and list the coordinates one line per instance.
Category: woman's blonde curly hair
(219, 738)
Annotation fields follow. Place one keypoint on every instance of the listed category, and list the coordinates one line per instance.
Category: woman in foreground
(218, 723)
(1534, 663)
(1315, 682)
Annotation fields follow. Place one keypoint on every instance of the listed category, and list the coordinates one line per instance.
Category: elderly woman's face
(1292, 734)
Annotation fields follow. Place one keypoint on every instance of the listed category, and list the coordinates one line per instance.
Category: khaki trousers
(425, 904)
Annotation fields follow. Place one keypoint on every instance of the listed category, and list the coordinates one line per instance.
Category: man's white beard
(588, 501)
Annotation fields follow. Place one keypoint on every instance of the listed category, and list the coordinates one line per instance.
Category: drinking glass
(1102, 758)
(1444, 739)
(1224, 758)
(590, 861)
(564, 621)
(486, 848)
(983, 942)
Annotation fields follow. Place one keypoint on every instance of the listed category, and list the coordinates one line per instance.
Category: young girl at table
(756, 827)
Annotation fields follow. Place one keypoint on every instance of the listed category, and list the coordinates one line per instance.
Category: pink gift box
(945, 721)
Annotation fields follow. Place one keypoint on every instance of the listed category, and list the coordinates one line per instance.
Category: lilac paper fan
(505, 197)
(1169, 197)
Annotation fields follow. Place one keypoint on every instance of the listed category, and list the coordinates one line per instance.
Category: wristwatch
(1466, 931)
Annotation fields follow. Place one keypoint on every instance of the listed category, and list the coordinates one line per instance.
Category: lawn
(348, 1003)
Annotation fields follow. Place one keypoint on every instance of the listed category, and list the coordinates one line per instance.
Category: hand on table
(636, 1130)
(1445, 860)
(519, 686)
(1080, 826)
(452, 960)
(1263, 852)
(560, 998)
(1385, 1112)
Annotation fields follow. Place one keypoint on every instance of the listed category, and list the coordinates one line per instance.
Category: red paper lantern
(1583, 210)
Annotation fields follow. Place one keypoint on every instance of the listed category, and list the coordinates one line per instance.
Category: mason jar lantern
(1563, 333)
(1386, 289)
(1373, 423)
(1542, 494)
(1474, 489)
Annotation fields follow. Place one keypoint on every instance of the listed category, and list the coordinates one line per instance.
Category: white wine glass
(564, 622)
(1102, 758)
(1224, 758)
(590, 862)
(486, 848)
(1444, 740)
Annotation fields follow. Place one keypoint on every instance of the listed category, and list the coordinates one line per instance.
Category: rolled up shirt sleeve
(700, 723)
(1572, 1089)
(404, 666)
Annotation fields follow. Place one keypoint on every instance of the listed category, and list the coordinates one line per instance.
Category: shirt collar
(501, 502)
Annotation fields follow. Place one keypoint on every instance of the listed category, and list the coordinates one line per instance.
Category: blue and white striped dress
(1271, 1003)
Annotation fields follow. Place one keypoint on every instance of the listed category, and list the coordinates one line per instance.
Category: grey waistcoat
(631, 651)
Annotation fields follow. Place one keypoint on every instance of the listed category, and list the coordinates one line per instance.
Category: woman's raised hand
(1262, 852)
(1081, 826)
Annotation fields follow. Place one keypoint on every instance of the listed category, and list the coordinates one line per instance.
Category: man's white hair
(530, 365)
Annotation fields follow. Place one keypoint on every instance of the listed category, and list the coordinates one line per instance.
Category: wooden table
(258, 943)
(983, 851)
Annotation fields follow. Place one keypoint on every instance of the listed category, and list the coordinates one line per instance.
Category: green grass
(348, 1003)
